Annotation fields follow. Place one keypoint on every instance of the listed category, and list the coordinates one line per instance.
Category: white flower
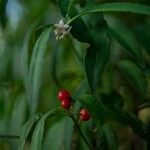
(61, 29)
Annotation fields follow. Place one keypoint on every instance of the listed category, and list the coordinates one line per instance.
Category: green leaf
(134, 75)
(118, 6)
(94, 33)
(25, 55)
(79, 29)
(60, 133)
(98, 54)
(110, 137)
(89, 63)
(121, 6)
(26, 130)
(36, 68)
(37, 136)
(18, 114)
(126, 38)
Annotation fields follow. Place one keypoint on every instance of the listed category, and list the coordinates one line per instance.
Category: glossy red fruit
(66, 103)
(63, 94)
(84, 115)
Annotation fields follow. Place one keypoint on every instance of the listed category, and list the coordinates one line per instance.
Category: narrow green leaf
(36, 68)
(37, 136)
(26, 130)
(89, 63)
(101, 41)
(134, 75)
(121, 6)
(61, 134)
(94, 33)
(118, 6)
(25, 57)
(99, 50)
(18, 114)
(79, 29)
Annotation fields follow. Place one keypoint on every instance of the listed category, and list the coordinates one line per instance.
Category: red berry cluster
(65, 98)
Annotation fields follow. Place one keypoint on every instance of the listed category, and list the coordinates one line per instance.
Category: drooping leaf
(59, 135)
(19, 114)
(79, 29)
(95, 33)
(37, 137)
(26, 130)
(25, 55)
(36, 68)
(101, 44)
(116, 6)
(89, 63)
(99, 51)
(134, 75)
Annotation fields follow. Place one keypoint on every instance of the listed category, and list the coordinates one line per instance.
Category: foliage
(103, 60)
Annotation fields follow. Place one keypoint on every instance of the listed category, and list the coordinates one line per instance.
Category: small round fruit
(66, 103)
(63, 94)
(84, 115)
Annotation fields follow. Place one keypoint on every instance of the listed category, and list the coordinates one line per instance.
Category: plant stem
(80, 131)
(10, 136)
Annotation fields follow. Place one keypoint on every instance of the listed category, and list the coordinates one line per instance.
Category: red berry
(63, 94)
(66, 103)
(84, 115)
